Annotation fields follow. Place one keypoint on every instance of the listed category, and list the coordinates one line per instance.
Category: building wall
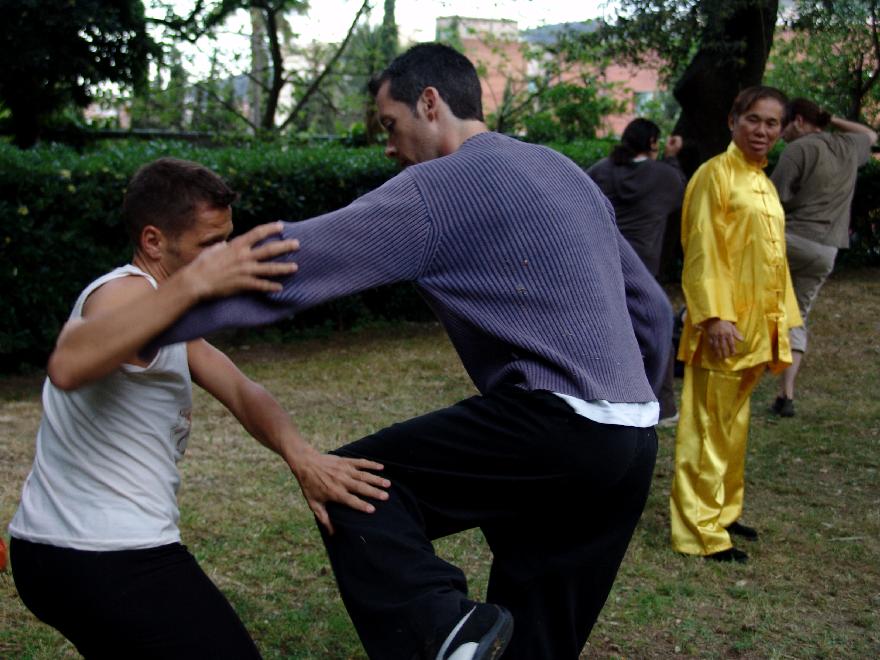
(495, 48)
(638, 85)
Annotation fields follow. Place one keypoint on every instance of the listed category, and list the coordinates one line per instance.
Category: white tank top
(105, 470)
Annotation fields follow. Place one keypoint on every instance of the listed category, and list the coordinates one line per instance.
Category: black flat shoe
(729, 555)
(783, 406)
(738, 529)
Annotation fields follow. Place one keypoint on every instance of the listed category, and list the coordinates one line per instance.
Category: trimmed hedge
(865, 226)
(60, 225)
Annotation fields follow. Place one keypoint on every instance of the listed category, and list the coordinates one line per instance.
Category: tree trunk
(277, 78)
(259, 67)
(316, 82)
(388, 48)
(706, 91)
(389, 42)
(712, 80)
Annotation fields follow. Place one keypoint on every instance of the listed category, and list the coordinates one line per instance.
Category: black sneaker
(783, 406)
(729, 555)
(744, 531)
(481, 634)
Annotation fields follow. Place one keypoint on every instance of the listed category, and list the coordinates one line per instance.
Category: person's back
(499, 236)
(522, 236)
(643, 193)
(817, 205)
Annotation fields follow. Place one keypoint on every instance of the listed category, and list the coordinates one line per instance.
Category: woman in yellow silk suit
(740, 306)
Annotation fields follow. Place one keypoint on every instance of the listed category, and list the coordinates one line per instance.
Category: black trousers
(153, 603)
(556, 495)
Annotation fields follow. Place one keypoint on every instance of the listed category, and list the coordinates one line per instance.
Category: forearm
(264, 418)
(847, 126)
(708, 299)
(650, 313)
(706, 279)
(322, 478)
(379, 239)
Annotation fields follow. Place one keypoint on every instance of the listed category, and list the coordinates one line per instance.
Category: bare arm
(123, 315)
(322, 477)
(846, 126)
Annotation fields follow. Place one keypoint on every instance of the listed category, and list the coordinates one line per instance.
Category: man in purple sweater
(556, 321)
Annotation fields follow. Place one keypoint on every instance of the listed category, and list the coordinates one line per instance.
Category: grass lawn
(811, 590)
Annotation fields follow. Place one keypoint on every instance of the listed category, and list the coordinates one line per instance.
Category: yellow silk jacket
(733, 235)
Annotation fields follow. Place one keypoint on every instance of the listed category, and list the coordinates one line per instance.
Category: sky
(328, 21)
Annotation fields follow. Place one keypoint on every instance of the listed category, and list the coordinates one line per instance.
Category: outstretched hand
(327, 478)
(241, 264)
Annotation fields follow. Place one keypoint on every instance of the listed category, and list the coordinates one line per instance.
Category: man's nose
(390, 150)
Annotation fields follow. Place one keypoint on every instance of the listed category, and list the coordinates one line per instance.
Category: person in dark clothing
(554, 318)
(645, 191)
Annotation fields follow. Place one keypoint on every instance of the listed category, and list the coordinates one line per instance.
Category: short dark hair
(439, 66)
(808, 110)
(167, 192)
(751, 95)
(636, 139)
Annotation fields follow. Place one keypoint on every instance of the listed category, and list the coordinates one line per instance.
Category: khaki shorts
(810, 264)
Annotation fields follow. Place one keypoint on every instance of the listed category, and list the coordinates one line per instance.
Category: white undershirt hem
(639, 415)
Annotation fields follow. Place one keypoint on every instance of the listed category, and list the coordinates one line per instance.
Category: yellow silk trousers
(710, 453)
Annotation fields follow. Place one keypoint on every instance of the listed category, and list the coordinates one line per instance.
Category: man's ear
(429, 102)
(152, 242)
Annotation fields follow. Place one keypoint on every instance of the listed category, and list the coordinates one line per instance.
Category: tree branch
(875, 42)
(185, 28)
(226, 104)
(268, 121)
(317, 81)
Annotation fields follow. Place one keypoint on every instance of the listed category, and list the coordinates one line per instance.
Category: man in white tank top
(99, 507)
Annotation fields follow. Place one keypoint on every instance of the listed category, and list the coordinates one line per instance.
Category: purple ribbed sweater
(517, 253)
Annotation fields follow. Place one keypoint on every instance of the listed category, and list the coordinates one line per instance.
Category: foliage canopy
(56, 51)
(830, 53)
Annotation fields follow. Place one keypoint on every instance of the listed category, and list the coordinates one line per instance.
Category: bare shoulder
(115, 293)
